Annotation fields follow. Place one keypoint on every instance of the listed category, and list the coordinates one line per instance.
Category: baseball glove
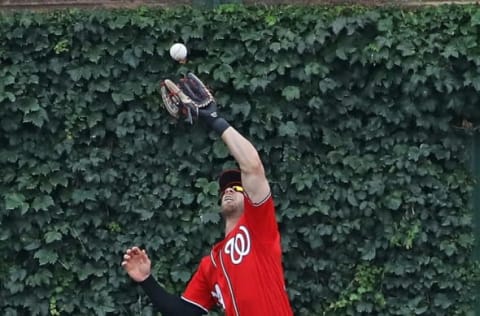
(186, 98)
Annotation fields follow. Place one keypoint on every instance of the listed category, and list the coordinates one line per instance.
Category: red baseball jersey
(243, 273)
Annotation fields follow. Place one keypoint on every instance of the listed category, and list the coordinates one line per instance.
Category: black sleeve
(166, 303)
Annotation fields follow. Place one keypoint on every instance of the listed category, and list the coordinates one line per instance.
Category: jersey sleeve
(261, 219)
(198, 291)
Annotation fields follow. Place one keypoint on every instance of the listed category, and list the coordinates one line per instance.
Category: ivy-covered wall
(362, 116)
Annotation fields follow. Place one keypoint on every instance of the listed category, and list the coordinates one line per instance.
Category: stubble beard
(231, 210)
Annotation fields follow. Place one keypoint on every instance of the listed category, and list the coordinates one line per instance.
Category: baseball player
(243, 274)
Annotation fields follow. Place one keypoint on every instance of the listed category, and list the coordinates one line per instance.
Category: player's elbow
(254, 167)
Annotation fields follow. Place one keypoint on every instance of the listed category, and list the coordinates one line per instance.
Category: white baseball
(178, 51)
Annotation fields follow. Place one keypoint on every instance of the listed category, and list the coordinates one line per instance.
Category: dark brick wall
(47, 4)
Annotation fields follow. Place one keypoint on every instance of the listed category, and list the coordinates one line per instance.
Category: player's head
(231, 192)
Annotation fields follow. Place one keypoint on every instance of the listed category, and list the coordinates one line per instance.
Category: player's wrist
(214, 121)
(219, 125)
(146, 279)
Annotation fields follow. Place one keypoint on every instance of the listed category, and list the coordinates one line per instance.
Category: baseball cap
(228, 178)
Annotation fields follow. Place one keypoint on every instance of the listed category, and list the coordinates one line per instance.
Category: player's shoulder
(207, 263)
(208, 258)
(266, 201)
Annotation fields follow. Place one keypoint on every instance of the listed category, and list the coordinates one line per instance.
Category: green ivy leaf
(118, 22)
(291, 93)
(28, 105)
(327, 84)
(270, 20)
(121, 97)
(406, 48)
(75, 74)
(385, 24)
(102, 85)
(258, 83)
(16, 201)
(220, 150)
(144, 214)
(52, 236)
(182, 276)
(288, 129)
(368, 252)
(37, 118)
(6, 95)
(212, 217)
(130, 58)
(275, 47)
(393, 202)
(46, 256)
(42, 202)
(223, 73)
(244, 108)
(339, 24)
(475, 19)
(442, 300)
(81, 195)
(40, 278)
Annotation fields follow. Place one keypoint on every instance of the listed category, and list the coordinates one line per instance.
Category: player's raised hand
(193, 99)
(137, 264)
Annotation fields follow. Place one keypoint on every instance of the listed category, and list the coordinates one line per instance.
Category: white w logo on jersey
(218, 295)
(238, 246)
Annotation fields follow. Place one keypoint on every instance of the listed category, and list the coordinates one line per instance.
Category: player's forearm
(166, 303)
(243, 151)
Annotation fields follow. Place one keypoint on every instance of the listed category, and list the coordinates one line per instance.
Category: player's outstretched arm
(138, 266)
(192, 97)
(254, 180)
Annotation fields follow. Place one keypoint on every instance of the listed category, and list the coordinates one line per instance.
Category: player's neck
(230, 223)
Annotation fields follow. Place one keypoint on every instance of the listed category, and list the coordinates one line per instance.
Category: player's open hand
(137, 264)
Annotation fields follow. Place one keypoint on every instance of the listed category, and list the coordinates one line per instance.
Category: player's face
(232, 200)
